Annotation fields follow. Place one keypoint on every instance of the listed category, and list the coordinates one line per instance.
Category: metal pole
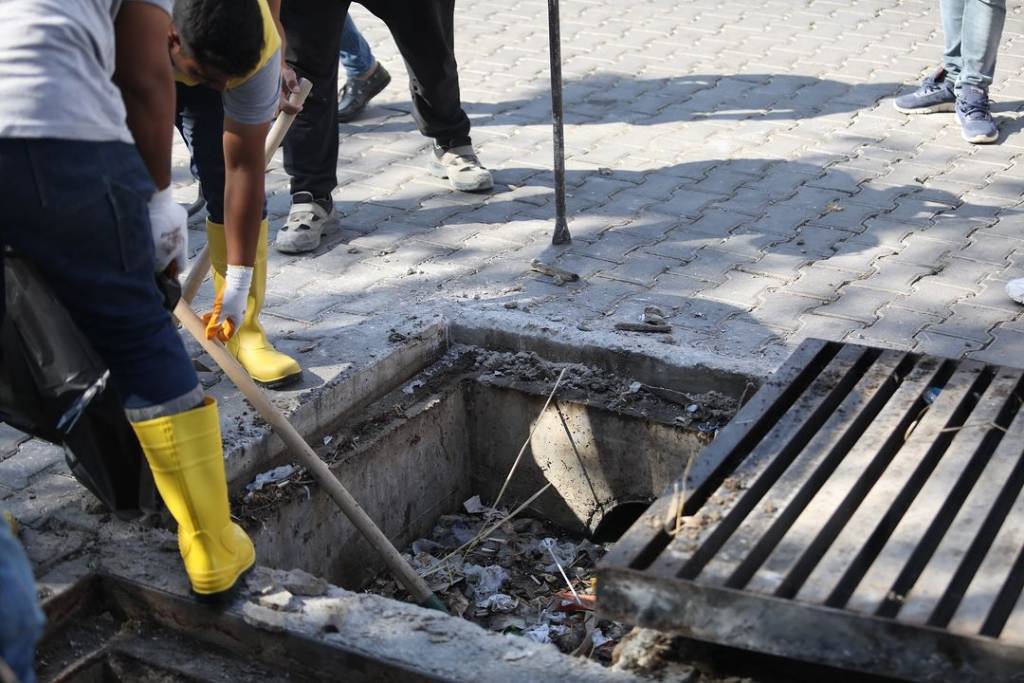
(561, 235)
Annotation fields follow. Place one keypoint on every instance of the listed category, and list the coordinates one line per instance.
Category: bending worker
(93, 212)
(227, 59)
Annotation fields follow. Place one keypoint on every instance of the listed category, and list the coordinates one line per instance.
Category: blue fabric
(21, 620)
(79, 211)
(200, 120)
(355, 53)
(972, 31)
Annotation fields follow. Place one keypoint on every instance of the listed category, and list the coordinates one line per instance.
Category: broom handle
(201, 265)
(298, 446)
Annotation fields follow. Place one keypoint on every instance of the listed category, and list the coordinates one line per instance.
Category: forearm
(144, 75)
(151, 122)
(243, 212)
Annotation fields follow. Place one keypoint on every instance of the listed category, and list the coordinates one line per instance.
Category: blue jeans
(972, 30)
(79, 211)
(200, 120)
(355, 53)
(21, 620)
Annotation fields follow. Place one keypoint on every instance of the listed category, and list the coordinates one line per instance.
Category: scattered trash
(327, 440)
(931, 394)
(474, 507)
(411, 387)
(635, 387)
(274, 476)
(559, 275)
(525, 578)
(692, 408)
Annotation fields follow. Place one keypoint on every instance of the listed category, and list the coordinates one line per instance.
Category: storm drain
(864, 510)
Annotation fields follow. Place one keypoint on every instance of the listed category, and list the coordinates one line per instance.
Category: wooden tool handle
(309, 459)
(284, 121)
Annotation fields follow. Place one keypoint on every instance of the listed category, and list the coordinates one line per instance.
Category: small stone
(304, 583)
(263, 617)
(280, 600)
(511, 305)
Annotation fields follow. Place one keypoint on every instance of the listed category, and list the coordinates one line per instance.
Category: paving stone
(824, 327)
(971, 322)
(711, 265)
(895, 328)
(10, 440)
(640, 268)
(1007, 348)
(936, 344)
(856, 303)
(33, 457)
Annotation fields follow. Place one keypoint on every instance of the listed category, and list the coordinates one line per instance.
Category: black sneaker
(358, 92)
(935, 94)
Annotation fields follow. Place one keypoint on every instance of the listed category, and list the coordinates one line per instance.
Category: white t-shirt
(56, 65)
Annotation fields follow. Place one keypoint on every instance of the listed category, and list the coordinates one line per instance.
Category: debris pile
(526, 577)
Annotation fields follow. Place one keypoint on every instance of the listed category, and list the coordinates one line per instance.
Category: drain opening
(617, 520)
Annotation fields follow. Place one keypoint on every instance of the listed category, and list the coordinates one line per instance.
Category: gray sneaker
(305, 224)
(461, 167)
(975, 116)
(935, 94)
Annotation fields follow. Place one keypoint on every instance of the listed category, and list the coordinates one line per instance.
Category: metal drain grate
(864, 510)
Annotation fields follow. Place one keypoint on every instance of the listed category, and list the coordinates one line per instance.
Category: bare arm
(243, 188)
(144, 75)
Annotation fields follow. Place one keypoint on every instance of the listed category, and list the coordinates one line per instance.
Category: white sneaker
(305, 224)
(462, 168)
(1015, 290)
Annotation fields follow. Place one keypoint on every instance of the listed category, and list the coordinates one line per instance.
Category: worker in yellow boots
(85, 149)
(227, 58)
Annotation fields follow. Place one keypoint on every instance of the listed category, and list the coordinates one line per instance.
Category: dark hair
(226, 35)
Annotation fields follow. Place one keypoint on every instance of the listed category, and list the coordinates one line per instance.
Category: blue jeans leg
(21, 620)
(355, 53)
(78, 211)
(972, 31)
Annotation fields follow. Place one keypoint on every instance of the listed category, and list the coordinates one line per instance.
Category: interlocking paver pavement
(736, 162)
(735, 153)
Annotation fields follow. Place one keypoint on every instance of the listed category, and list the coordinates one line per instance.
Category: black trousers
(424, 33)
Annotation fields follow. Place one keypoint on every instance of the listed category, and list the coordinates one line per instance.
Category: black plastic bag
(54, 387)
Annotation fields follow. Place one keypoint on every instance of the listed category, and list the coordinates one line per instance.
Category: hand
(289, 85)
(169, 221)
(229, 304)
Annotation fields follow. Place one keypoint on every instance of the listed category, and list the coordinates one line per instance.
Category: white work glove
(229, 304)
(169, 222)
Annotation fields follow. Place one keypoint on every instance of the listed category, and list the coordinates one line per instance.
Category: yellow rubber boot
(250, 345)
(184, 453)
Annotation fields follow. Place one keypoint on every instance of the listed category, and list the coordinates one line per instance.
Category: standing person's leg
(365, 77)
(200, 119)
(79, 212)
(981, 30)
(425, 35)
(355, 53)
(952, 12)
(313, 31)
(21, 620)
(935, 92)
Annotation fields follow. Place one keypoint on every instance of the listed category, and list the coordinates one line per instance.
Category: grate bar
(991, 577)
(791, 559)
(734, 564)
(855, 546)
(943, 583)
(697, 543)
(916, 535)
(640, 545)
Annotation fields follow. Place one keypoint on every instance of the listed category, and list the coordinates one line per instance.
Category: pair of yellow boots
(184, 450)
